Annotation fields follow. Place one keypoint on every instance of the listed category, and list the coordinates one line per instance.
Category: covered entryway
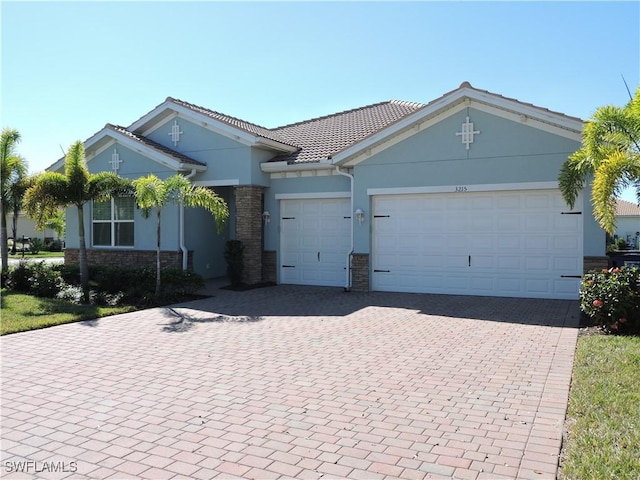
(315, 240)
(523, 243)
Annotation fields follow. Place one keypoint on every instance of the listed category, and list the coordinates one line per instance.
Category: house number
(461, 189)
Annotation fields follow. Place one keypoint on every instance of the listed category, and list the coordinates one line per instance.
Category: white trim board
(301, 196)
(462, 189)
(217, 183)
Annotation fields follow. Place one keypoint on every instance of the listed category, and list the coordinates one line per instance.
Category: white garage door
(513, 244)
(315, 240)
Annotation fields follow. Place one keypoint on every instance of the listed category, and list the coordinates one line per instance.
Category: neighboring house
(628, 222)
(27, 228)
(457, 196)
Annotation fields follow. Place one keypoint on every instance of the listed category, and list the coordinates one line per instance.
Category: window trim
(112, 221)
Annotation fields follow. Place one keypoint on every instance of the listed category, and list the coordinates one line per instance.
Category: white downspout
(183, 247)
(347, 285)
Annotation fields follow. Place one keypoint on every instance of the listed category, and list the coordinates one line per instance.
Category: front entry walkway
(296, 382)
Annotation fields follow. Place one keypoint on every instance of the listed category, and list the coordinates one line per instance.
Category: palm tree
(153, 194)
(76, 187)
(610, 155)
(10, 165)
(19, 185)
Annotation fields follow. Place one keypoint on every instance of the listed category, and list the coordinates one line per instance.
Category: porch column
(249, 230)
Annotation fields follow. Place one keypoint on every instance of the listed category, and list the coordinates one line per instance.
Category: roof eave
(280, 167)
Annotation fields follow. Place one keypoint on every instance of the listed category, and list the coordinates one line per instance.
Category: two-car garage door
(508, 243)
(523, 243)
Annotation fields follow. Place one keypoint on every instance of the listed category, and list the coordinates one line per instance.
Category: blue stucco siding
(226, 159)
(504, 152)
(133, 164)
(202, 237)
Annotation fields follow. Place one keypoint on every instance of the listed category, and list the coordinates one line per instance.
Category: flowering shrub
(611, 298)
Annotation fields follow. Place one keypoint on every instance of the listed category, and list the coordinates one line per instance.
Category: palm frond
(204, 198)
(573, 176)
(104, 185)
(48, 193)
(613, 175)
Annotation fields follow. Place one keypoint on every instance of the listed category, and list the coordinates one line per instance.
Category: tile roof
(181, 158)
(541, 109)
(248, 127)
(324, 137)
(625, 209)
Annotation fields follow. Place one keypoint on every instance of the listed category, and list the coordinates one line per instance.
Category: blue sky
(70, 67)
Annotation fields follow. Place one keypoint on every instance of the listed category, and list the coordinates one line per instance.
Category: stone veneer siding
(269, 266)
(128, 258)
(360, 272)
(596, 263)
(249, 230)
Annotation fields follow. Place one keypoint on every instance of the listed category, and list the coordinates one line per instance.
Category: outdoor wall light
(359, 215)
(266, 217)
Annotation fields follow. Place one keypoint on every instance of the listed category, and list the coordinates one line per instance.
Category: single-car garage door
(508, 243)
(316, 238)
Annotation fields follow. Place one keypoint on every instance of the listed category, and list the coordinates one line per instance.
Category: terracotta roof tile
(542, 109)
(624, 208)
(323, 137)
(248, 127)
(156, 146)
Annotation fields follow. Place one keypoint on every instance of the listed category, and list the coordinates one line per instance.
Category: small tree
(153, 194)
(16, 193)
(12, 167)
(57, 223)
(76, 187)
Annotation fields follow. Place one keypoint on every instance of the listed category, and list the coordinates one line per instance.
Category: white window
(112, 222)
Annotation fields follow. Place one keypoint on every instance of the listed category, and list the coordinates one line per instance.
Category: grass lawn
(25, 312)
(604, 410)
(30, 256)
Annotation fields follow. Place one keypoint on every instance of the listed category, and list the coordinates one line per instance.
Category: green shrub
(611, 299)
(36, 245)
(233, 254)
(55, 246)
(45, 280)
(18, 277)
(176, 282)
(39, 279)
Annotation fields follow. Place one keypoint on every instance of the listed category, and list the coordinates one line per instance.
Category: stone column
(360, 272)
(249, 230)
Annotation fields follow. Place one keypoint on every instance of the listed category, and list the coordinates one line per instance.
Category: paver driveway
(300, 382)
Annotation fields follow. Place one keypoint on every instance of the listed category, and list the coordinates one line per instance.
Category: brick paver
(297, 382)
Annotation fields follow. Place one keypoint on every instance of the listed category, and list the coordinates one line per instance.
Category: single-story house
(628, 222)
(455, 196)
(27, 229)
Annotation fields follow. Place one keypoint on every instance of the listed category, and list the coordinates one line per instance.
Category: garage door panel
(483, 262)
(481, 284)
(506, 262)
(538, 285)
(518, 242)
(565, 264)
(536, 242)
(509, 285)
(457, 261)
(537, 263)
